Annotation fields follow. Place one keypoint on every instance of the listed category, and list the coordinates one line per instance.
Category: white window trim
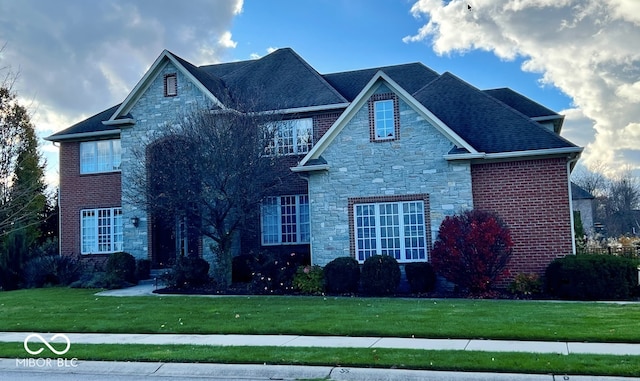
(375, 120)
(377, 227)
(293, 126)
(115, 245)
(298, 203)
(115, 157)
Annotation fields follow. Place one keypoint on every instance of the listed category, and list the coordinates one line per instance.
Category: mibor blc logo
(34, 344)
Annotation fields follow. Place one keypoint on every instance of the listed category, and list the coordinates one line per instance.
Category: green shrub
(122, 266)
(592, 277)
(99, 279)
(342, 276)
(143, 269)
(188, 272)
(309, 280)
(274, 272)
(421, 276)
(52, 270)
(380, 275)
(526, 285)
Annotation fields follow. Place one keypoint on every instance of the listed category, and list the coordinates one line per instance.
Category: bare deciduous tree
(211, 171)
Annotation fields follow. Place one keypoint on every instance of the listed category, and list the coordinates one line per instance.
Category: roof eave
(310, 168)
(119, 122)
(565, 151)
(299, 110)
(82, 136)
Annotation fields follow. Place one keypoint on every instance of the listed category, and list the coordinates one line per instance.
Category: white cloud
(226, 41)
(78, 57)
(584, 47)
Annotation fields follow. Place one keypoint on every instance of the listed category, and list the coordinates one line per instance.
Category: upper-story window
(290, 137)
(171, 85)
(100, 156)
(384, 118)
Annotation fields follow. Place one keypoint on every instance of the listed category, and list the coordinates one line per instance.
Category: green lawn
(77, 310)
(356, 357)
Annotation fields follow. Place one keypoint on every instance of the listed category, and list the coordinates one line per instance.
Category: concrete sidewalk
(564, 348)
(108, 370)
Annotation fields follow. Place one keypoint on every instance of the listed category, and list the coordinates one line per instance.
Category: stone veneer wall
(411, 165)
(152, 112)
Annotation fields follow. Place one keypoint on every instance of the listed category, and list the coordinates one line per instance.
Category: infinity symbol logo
(46, 343)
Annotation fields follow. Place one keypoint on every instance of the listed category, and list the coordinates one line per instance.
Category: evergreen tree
(22, 199)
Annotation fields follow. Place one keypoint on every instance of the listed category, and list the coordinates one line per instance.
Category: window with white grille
(285, 220)
(396, 229)
(101, 230)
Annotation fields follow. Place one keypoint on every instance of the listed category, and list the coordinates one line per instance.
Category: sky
(580, 58)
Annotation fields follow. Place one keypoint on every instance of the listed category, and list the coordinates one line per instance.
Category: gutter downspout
(305, 176)
(573, 231)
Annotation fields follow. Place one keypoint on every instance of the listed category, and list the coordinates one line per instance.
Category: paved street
(129, 371)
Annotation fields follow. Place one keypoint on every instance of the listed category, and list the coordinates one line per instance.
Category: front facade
(378, 157)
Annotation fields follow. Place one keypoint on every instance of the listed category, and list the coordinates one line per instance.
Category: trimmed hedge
(421, 276)
(592, 277)
(188, 272)
(122, 266)
(342, 276)
(380, 275)
(273, 272)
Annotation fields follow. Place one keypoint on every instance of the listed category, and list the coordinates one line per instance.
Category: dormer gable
(205, 82)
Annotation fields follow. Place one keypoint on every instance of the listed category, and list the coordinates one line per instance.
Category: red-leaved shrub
(472, 250)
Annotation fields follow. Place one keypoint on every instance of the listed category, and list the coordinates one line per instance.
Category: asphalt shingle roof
(483, 121)
(579, 193)
(215, 85)
(411, 77)
(520, 102)
(490, 121)
(89, 125)
(281, 80)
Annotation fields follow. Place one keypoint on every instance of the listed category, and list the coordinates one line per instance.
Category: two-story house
(382, 155)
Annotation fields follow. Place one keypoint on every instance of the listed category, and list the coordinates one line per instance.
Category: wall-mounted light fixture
(135, 221)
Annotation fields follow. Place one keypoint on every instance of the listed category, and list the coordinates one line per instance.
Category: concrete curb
(279, 372)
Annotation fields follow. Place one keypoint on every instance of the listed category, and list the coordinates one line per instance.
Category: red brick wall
(532, 197)
(292, 184)
(322, 123)
(79, 192)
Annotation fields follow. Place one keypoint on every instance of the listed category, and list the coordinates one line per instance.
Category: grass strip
(574, 364)
(77, 310)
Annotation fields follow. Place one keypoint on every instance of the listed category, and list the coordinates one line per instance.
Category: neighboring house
(378, 156)
(583, 203)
